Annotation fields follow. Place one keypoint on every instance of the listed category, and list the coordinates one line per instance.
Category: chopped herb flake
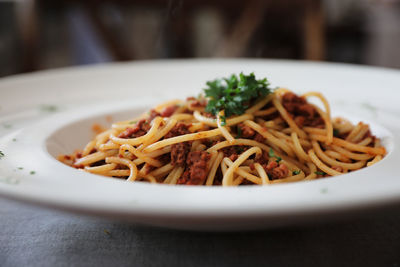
(48, 108)
(32, 172)
(14, 139)
(239, 149)
(296, 172)
(336, 132)
(20, 168)
(1, 154)
(368, 106)
(9, 180)
(320, 173)
(239, 132)
(271, 154)
(223, 120)
(234, 94)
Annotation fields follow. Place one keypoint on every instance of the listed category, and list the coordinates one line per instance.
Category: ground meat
(209, 115)
(168, 111)
(233, 151)
(164, 158)
(302, 112)
(196, 170)
(262, 158)
(233, 157)
(259, 138)
(196, 102)
(139, 129)
(337, 168)
(249, 133)
(274, 169)
(184, 179)
(279, 172)
(80, 166)
(152, 115)
(179, 153)
(179, 129)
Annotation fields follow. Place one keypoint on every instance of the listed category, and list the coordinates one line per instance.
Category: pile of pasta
(280, 138)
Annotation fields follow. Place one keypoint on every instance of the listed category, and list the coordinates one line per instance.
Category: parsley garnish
(296, 172)
(32, 172)
(239, 149)
(239, 132)
(1, 154)
(20, 168)
(14, 139)
(48, 108)
(271, 154)
(336, 132)
(320, 173)
(223, 120)
(234, 94)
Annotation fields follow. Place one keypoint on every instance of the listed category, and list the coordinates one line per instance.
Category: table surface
(33, 236)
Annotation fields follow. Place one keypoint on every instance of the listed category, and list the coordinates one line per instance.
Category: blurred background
(44, 34)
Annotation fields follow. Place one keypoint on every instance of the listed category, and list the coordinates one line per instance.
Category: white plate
(51, 112)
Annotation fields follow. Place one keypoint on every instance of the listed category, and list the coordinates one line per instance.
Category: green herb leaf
(32, 172)
(223, 120)
(239, 132)
(239, 149)
(1, 154)
(20, 168)
(271, 154)
(295, 172)
(48, 108)
(320, 173)
(14, 139)
(234, 94)
(336, 132)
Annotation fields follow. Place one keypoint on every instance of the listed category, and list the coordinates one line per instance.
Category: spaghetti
(265, 137)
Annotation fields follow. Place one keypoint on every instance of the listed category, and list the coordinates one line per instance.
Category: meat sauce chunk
(179, 151)
(196, 169)
(249, 133)
(303, 113)
(139, 129)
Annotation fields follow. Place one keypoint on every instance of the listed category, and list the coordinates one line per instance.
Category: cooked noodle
(278, 139)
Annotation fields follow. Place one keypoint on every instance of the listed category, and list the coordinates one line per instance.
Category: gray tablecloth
(32, 236)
